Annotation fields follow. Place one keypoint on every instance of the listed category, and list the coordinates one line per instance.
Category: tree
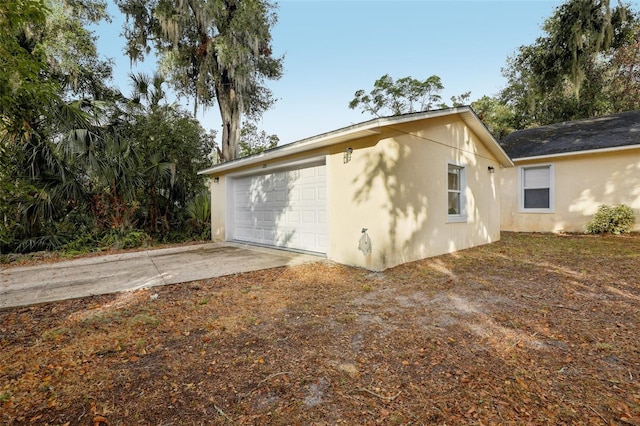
(213, 50)
(138, 168)
(566, 74)
(254, 142)
(460, 100)
(49, 56)
(577, 32)
(624, 87)
(406, 95)
(22, 62)
(495, 115)
(166, 147)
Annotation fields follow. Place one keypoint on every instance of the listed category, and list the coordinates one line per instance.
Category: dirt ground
(535, 329)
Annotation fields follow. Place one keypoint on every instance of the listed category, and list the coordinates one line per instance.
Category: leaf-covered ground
(535, 329)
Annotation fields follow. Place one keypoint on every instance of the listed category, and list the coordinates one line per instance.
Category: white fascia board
(281, 165)
(472, 120)
(577, 153)
(316, 142)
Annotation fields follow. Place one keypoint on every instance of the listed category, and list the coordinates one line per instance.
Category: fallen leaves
(529, 332)
(100, 421)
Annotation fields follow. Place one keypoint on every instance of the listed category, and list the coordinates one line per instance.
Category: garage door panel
(309, 194)
(269, 216)
(309, 217)
(285, 209)
(308, 239)
(268, 236)
(293, 195)
(293, 217)
(244, 233)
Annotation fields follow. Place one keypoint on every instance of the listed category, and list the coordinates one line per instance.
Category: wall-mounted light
(347, 155)
(216, 179)
(491, 169)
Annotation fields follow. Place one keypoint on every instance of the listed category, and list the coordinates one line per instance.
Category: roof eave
(472, 120)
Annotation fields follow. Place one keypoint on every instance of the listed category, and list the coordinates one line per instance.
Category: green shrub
(82, 243)
(115, 240)
(50, 242)
(199, 213)
(612, 220)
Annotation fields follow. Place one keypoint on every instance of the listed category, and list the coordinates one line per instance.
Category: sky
(333, 48)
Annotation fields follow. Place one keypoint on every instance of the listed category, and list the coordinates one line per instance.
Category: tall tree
(22, 62)
(402, 96)
(565, 74)
(140, 164)
(577, 31)
(496, 115)
(253, 141)
(213, 50)
(624, 87)
(53, 60)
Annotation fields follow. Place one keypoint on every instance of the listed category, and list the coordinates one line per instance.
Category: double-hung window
(456, 181)
(536, 188)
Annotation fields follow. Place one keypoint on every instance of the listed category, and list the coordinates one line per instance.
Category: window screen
(536, 186)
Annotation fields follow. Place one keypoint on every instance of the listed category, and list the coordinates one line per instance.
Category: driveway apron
(21, 286)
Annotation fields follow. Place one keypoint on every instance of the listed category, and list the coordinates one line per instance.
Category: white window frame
(521, 188)
(462, 216)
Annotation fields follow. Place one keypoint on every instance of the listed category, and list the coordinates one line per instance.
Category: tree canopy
(586, 64)
(402, 96)
(81, 165)
(253, 141)
(214, 50)
(576, 69)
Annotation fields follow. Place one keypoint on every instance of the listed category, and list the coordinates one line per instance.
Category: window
(455, 194)
(536, 188)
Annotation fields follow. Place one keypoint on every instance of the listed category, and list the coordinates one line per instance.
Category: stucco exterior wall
(218, 208)
(396, 186)
(581, 184)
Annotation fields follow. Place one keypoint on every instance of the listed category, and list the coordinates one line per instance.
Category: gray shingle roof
(611, 131)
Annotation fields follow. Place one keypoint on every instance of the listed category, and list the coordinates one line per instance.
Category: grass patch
(145, 319)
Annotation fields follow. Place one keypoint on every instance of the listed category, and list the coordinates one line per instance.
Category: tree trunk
(231, 114)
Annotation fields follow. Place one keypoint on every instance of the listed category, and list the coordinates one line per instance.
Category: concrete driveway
(20, 286)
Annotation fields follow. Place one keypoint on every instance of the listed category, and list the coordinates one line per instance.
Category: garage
(283, 208)
(372, 195)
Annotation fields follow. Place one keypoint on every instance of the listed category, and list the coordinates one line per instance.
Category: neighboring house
(421, 184)
(565, 171)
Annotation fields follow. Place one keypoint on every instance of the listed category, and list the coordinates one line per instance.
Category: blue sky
(333, 48)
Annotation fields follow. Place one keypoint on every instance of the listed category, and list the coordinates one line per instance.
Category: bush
(612, 220)
(116, 240)
(199, 213)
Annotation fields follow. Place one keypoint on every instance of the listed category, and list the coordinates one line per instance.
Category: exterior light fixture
(347, 155)
(491, 169)
(216, 179)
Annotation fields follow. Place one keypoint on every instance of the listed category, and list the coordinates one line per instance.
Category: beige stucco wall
(218, 208)
(581, 184)
(396, 186)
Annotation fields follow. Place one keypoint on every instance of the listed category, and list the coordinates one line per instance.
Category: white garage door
(283, 209)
